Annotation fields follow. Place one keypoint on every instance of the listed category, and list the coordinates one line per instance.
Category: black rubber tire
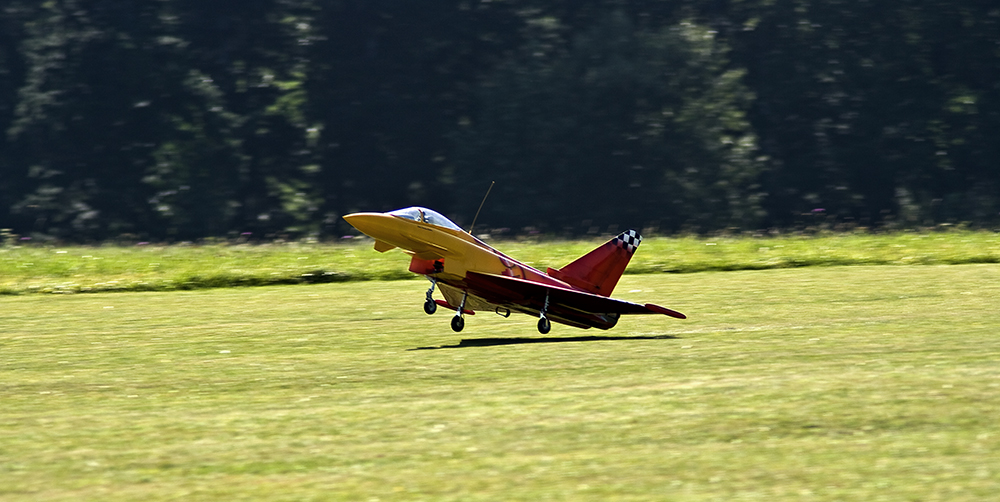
(430, 307)
(544, 326)
(457, 323)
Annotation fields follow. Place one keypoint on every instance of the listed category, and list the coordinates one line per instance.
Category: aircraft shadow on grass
(493, 342)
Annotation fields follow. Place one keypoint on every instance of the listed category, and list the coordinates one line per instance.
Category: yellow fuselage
(456, 252)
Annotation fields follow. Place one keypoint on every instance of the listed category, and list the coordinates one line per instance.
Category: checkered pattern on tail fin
(599, 270)
(628, 240)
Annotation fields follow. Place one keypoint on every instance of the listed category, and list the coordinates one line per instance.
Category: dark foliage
(182, 119)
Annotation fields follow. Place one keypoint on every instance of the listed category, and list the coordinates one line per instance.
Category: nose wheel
(430, 306)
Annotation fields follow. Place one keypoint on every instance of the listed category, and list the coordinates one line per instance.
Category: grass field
(824, 383)
(49, 269)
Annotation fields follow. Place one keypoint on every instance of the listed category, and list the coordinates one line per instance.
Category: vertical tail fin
(599, 270)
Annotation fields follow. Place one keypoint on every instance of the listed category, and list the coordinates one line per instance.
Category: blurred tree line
(180, 119)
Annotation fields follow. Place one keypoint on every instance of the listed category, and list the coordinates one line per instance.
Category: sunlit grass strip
(822, 384)
(41, 269)
(170, 268)
(697, 255)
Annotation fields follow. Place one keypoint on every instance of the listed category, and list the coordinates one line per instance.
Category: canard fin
(382, 246)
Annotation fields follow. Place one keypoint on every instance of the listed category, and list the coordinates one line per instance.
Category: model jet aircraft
(474, 277)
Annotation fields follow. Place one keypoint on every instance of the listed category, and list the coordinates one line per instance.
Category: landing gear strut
(543, 322)
(430, 306)
(458, 322)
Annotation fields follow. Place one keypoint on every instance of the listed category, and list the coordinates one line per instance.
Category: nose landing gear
(430, 306)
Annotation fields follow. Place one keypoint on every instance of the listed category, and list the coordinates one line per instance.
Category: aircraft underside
(535, 306)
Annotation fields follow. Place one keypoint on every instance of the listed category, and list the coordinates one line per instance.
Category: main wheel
(457, 323)
(544, 326)
(430, 306)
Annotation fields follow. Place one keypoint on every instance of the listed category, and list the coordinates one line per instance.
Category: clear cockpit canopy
(422, 214)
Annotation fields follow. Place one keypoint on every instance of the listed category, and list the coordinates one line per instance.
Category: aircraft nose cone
(370, 224)
(353, 218)
(358, 220)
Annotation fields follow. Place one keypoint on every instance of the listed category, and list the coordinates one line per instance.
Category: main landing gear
(458, 322)
(544, 326)
(430, 306)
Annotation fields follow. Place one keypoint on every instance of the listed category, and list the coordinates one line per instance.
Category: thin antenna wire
(481, 207)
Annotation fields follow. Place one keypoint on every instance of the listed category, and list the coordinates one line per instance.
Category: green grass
(41, 269)
(833, 383)
(32, 269)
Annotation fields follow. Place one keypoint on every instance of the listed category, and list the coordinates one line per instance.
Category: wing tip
(665, 311)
